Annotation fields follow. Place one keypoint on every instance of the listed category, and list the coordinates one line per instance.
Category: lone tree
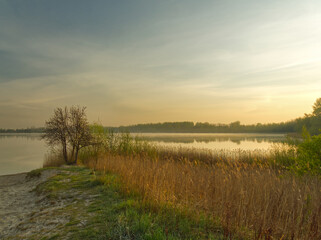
(79, 134)
(68, 127)
(56, 130)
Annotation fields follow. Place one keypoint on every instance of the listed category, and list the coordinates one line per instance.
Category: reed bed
(250, 200)
(251, 194)
(53, 158)
(213, 157)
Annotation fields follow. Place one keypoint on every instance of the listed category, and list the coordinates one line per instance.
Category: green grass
(114, 215)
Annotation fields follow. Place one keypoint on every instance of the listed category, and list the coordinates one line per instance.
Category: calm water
(21, 152)
(213, 141)
(24, 152)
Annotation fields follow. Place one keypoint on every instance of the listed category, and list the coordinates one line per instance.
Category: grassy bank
(92, 205)
(247, 201)
(241, 194)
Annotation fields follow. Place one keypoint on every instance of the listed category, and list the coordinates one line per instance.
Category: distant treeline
(312, 123)
(22, 130)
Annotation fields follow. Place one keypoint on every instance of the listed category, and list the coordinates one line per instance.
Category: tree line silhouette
(311, 121)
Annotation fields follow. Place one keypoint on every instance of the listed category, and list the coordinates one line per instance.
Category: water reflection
(26, 136)
(206, 138)
(21, 152)
(214, 141)
(25, 151)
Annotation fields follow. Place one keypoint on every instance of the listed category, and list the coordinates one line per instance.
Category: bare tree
(68, 126)
(78, 131)
(56, 130)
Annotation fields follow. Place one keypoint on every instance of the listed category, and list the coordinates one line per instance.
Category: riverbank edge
(77, 203)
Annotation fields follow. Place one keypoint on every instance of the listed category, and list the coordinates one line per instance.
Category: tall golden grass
(250, 200)
(53, 158)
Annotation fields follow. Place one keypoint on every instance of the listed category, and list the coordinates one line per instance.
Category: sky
(146, 61)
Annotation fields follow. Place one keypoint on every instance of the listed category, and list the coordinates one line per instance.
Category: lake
(21, 152)
(24, 152)
(228, 141)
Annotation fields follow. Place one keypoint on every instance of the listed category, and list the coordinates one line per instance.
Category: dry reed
(53, 158)
(253, 201)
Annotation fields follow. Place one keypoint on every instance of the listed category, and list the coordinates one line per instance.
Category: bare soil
(29, 214)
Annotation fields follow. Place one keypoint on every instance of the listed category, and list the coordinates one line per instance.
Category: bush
(308, 159)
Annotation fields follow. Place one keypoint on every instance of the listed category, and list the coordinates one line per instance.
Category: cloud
(136, 62)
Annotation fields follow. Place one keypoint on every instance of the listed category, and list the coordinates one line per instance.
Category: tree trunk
(76, 155)
(64, 152)
(73, 152)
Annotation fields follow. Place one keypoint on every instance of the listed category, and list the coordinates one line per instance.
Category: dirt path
(18, 202)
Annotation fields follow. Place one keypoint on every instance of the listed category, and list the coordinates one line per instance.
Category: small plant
(34, 174)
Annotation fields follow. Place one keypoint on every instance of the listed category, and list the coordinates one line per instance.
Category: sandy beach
(24, 212)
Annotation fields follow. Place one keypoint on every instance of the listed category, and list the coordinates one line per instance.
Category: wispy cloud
(159, 61)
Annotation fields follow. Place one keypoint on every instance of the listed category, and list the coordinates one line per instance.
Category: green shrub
(308, 159)
(104, 141)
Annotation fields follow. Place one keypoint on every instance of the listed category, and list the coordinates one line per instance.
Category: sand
(19, 204)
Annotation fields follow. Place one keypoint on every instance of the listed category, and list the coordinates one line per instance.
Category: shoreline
(18, 173)
(13, 174)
